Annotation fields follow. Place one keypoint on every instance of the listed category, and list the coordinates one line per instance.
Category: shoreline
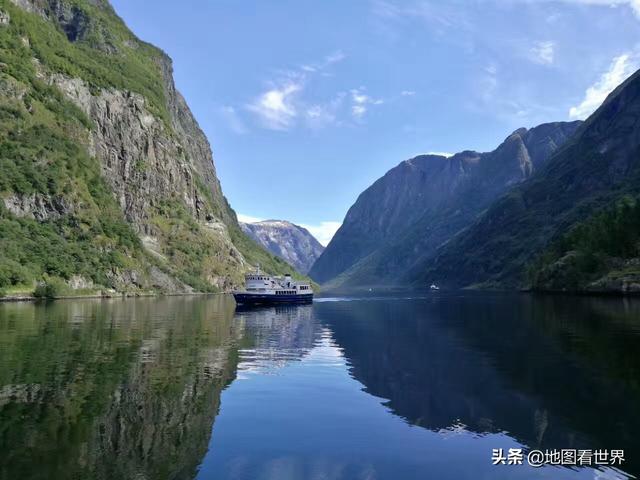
(123, 296)
(507, 291)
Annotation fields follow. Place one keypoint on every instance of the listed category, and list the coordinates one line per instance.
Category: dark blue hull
(251, 299)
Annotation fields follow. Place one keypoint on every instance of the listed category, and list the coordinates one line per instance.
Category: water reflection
(112, 389)
(552, 372)
(274, 336)
(182, 388)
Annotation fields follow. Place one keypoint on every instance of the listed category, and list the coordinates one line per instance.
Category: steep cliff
(422, 202)
(292, 243)
(600, 165)
(106, 174)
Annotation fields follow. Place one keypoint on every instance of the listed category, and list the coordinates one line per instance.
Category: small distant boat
(263, 289)
(434, 287)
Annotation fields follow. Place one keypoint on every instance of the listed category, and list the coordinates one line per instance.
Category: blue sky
(306, 103)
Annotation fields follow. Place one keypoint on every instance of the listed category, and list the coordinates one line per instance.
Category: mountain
(596, 169)
(599, 254)
(107, 181)
(423, 201)
(292, 243)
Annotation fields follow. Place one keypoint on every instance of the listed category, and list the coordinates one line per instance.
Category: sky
(307, 103)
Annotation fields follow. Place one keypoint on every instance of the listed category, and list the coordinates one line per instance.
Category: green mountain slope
(595, 169)
(404, 216)
(106, 181)
(601, 254)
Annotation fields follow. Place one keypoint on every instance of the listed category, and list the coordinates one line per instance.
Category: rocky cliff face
(294, 244)
(116, 102)
(599, 166)
(423, 201)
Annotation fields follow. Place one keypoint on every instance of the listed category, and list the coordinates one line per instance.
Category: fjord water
(409, 386)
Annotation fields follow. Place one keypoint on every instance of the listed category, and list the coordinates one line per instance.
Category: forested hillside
(107, 183)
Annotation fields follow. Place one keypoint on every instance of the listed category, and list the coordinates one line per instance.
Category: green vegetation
(44, 163)
(104, 52)
(58, 215)
(69, 357)
(600, 246)
(51, 288)
(82, 230)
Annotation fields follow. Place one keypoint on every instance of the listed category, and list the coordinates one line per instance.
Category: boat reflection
(273, 336)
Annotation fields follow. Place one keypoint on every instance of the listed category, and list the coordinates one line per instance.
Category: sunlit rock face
(292, 243)
(104, 104)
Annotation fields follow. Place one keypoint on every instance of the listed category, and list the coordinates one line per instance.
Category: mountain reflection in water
(181, 388)
(111, 389)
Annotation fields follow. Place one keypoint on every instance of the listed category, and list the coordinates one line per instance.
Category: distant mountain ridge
(293, 243)
(595, 170)
(422, 202)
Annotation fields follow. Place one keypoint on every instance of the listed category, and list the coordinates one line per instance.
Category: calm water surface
(406, 387)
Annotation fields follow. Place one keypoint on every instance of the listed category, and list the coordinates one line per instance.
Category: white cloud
(620, 69)
(248, 218)
(233, 120)
(324, 231)
(407, 93)
(633, 4)
(440, 15)
(442, 154)
(335, 57)
(487, 83)
(358, 97)
(320, 115)
(358, 111)
(279, 107)
(543, 52)
(360, 102)
(276, 108)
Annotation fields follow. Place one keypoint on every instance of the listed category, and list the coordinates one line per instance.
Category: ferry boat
(263, 289)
